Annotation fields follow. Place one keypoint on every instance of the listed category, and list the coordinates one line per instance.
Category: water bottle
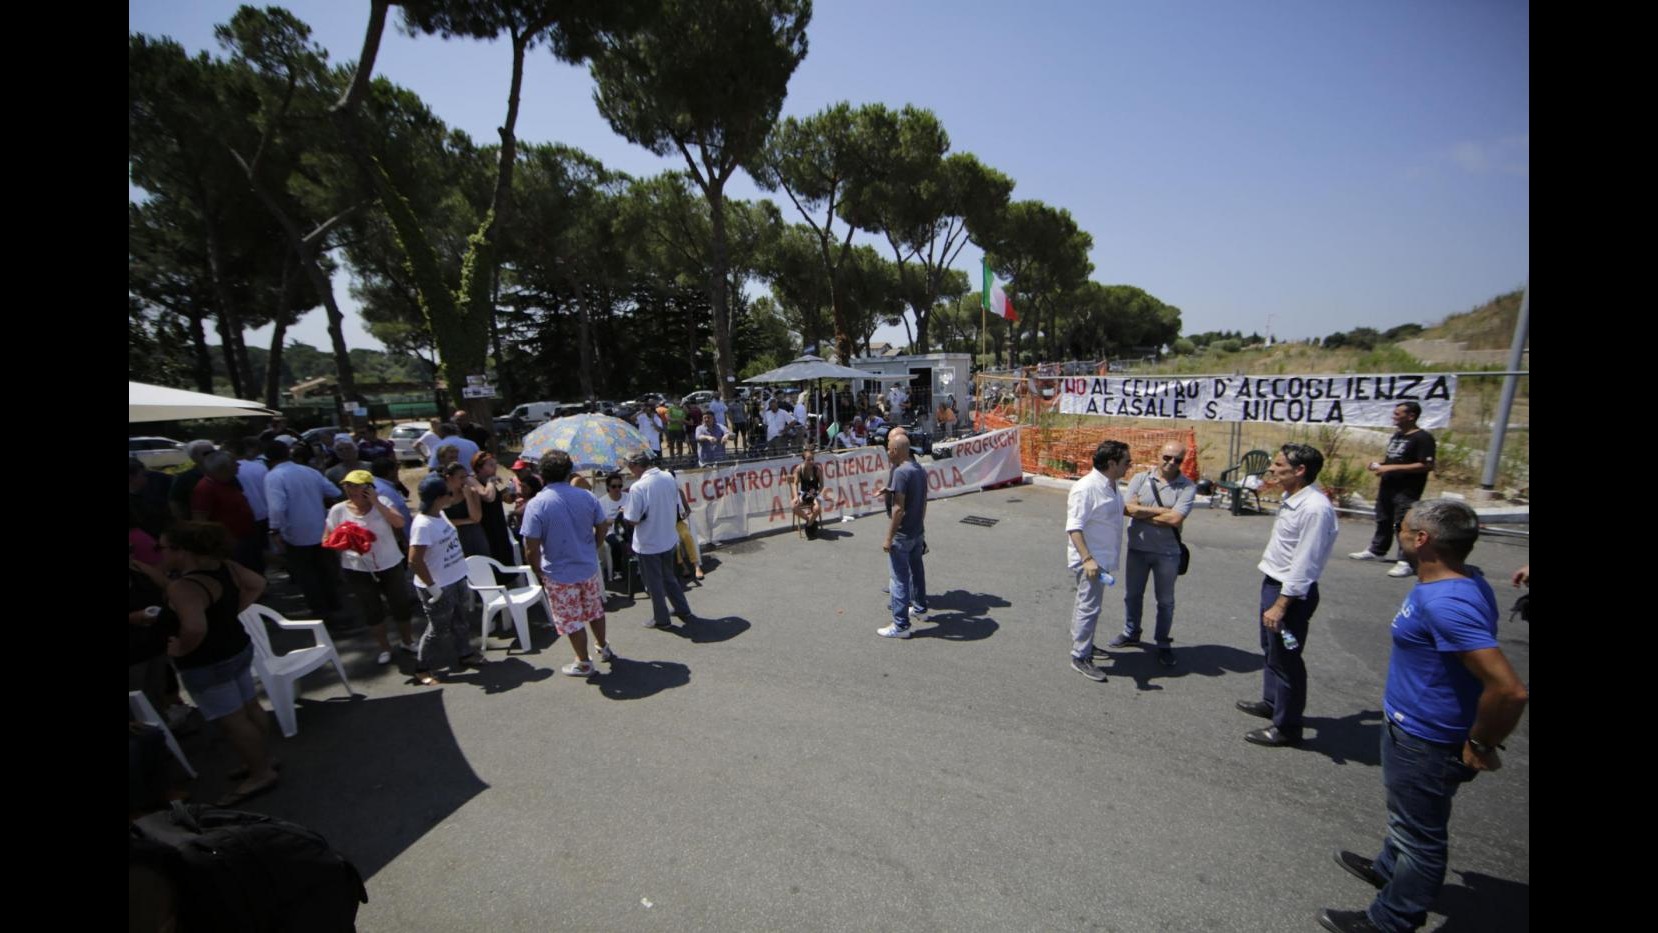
(1108, 578)
(1290, 641)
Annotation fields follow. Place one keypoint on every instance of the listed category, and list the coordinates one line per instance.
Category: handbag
(1185, 552)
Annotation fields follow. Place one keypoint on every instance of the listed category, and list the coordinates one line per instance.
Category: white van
(534, 413)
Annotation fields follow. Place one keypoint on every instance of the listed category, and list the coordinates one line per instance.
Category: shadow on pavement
(1140, 663)
(1354, 738)
(634, 680)
(418, 777)
(708, 631)
(958, 615)
(1483, 903)
(501, 675)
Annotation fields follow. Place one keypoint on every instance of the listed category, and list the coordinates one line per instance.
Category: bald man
(905, 541)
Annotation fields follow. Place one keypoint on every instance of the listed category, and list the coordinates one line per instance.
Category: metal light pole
(1511, 383)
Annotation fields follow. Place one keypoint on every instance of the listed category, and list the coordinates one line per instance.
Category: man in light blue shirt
(297, 497)
(1303, 535)
(250, 472)
(450, 436)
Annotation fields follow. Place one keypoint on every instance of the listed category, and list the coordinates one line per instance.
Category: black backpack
(235, 870)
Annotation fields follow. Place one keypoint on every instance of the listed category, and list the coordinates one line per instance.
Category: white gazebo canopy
(159, 403)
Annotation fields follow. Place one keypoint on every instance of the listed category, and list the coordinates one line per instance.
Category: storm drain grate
(980, 520)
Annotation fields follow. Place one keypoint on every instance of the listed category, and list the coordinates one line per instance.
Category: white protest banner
(734, 501)
(1344, 399)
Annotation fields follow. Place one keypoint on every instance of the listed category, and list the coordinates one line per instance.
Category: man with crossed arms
(1157, 503)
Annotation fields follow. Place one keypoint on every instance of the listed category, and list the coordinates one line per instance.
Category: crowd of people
(342, 524)
(768, 423)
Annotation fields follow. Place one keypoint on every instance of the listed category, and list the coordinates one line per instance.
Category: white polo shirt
(655, 498)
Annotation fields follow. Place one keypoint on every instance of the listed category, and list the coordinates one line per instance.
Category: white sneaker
(1401, 569)
(606, 655)
(1365, 554)
(893, 631)
(918, 615)
(578, 669)
(383, 658)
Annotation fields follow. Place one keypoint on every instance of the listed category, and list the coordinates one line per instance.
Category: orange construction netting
(1052, 444)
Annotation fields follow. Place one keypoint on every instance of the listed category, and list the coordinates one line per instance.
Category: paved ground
(782, 767)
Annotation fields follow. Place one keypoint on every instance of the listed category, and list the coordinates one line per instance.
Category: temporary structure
(159, 403)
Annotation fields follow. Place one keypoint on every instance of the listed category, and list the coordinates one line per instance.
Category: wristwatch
(1483, 748)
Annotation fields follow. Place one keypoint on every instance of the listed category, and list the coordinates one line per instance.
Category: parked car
(531, 414)
(323, 437)
(698, 398)
(403, 439)
(157, 453)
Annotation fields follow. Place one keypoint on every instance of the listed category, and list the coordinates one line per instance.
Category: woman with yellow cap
(377, 576)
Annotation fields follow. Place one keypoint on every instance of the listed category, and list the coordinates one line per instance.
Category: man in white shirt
(897, 398)
(1094, 532)
(650, 424)
(653, 510)
(777, 423)
(1303, 535)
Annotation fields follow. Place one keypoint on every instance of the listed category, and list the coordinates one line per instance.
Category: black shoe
(1347, 921)
(1101, 652)
(1122, 640)
(1270, 737)
(1165, 656)
(1256, 708)
(1362, 868)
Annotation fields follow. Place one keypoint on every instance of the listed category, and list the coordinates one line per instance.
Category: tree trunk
(584, 339)
(203, 362)
(284, 301)
(273, 368)
(229, 351)
(725, 363)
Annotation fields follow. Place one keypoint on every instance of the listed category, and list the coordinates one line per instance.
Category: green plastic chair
(1254, 463)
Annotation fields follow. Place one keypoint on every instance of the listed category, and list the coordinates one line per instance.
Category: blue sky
(1302, 165)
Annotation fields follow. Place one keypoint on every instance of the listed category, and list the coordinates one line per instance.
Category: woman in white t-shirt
(440, 570)
(379, 573)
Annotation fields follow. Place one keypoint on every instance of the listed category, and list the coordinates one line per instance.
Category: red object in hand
(350, 536)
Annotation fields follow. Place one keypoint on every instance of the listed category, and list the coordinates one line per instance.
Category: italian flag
(996, 300)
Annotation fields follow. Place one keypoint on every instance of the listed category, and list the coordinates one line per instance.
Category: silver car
(157, 453)
(403, 439)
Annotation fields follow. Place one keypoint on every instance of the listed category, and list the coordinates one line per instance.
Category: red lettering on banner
(956, 479)
(779, 512)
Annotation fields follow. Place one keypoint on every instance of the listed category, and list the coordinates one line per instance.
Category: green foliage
(1183, 347)
(1229, 345)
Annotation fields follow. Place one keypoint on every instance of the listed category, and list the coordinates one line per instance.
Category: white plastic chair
(277, 673)
(139, 705)
(516, 600)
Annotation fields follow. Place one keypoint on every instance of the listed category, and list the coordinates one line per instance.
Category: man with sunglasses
(1157, 503)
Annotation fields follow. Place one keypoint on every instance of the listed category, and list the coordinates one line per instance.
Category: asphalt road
(782, 767)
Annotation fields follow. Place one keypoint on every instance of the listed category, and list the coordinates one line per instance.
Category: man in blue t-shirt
(905, 540)
(561, 529)
(1451, 699)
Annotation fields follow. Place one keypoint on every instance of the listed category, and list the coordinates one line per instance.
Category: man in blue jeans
(905, 539)
(1157, 503)
(1451, 699)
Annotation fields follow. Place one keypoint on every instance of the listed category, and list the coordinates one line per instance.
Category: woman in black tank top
(808, 484)
(212, 650)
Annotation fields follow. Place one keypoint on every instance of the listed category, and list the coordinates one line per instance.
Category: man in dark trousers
(1404, 472)
(1303, 535)
(1451, 699)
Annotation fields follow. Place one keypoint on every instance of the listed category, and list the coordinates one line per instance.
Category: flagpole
(984, 301)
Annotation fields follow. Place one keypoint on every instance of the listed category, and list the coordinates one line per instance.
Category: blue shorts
(223, 687)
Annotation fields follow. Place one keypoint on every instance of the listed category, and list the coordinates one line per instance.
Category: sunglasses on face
(1169, 458)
